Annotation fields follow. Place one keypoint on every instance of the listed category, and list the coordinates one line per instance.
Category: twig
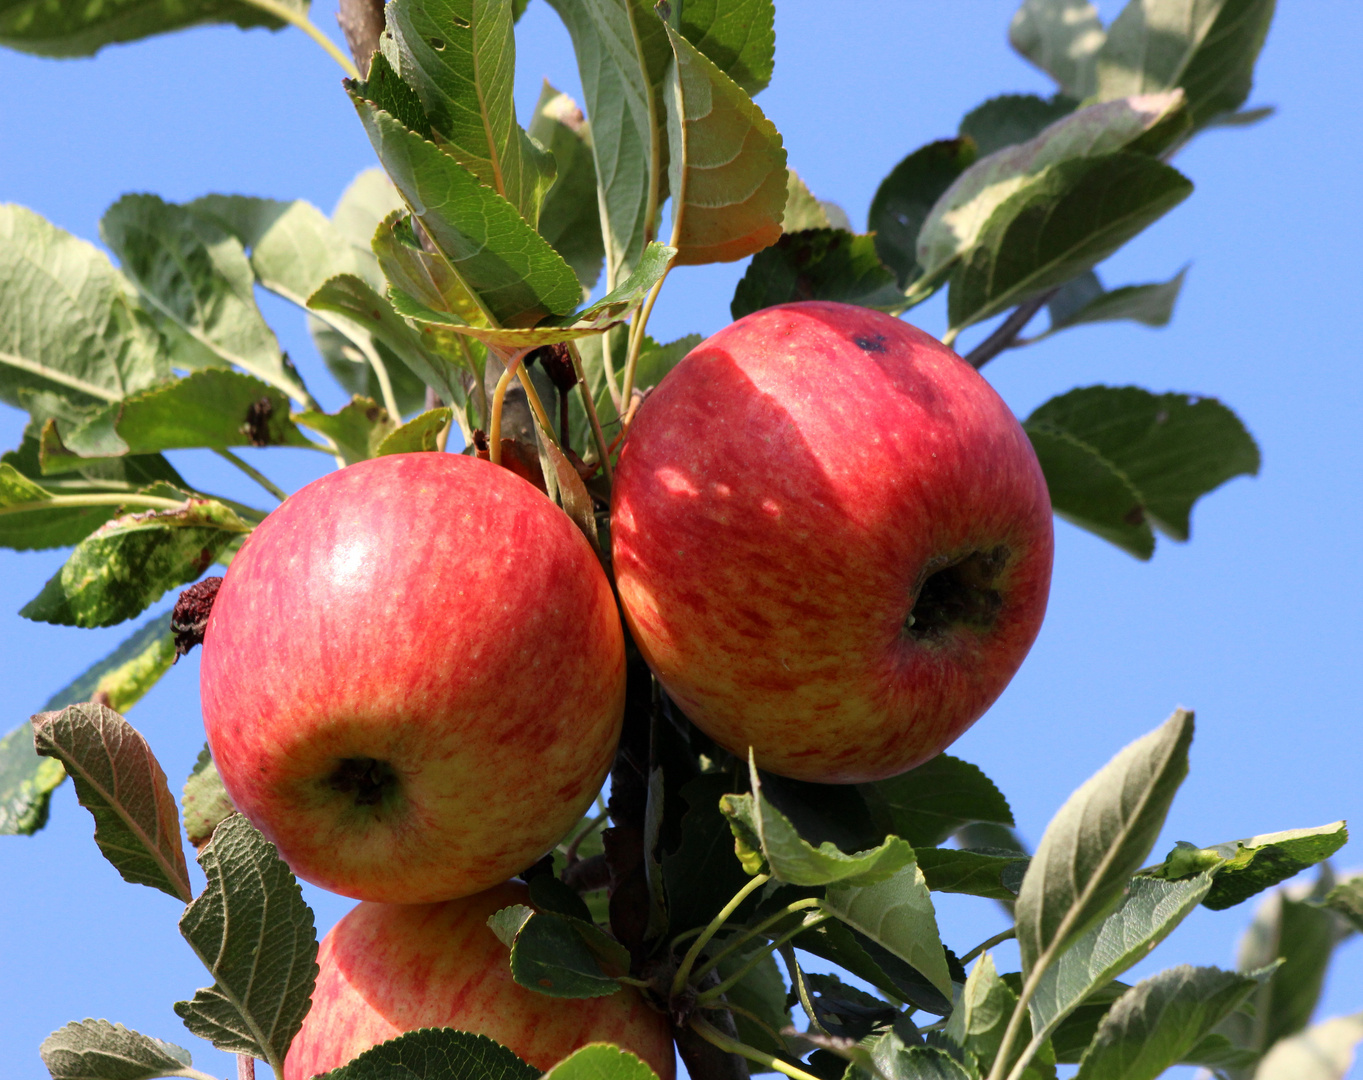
(598, 436)
(246, 1067)
(298, 18)
(997, 939)
(254, 473)
(1006, 333)
(732, 1046)
(362, 23)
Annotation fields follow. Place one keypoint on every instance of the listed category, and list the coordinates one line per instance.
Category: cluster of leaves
(455, 291)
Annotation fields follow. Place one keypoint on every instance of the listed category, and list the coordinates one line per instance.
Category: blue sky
(1254, 623)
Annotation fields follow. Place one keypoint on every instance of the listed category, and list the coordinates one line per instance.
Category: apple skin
(782, 497)
(413, 678)
(389, 968)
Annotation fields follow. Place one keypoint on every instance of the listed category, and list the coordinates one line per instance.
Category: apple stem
(715, 1038)
(636, 342)
(689, 960)
(747, 935)
(598, 436)
(494, 435)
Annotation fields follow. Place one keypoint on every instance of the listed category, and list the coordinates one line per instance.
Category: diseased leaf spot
(1134, 516)
(257, 425)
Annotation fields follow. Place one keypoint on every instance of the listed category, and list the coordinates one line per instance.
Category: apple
(832, 541)
(413, 677)
(389, 968)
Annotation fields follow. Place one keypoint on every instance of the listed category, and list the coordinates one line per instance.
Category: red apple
(832, 541)
(413, 677)
(389, 968)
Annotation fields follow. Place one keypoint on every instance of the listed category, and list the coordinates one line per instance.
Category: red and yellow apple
(832, 541)
(390, 968)
(413, 677)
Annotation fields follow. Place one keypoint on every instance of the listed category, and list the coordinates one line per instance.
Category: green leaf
(212, 408)
(516, 276)
(570, 218)
(1244, 868)
(904, 199)
(1062, 38)
(854, 952)
(917, 1062)
(30, 519)
(119, 780)
(1346, 899)
(766, 838)
(1144, 125)
(369, 199)
(600, 1061)
(460, 57)
(70, 324)
(196, 276)
(1098, 840)
(928, 804)
(981, 1013)
(26, 783)
(803, 210)
(654, 362)
(128, 564)
(549, 953)
(73, 29)
(254, 933)
(817, 264)
(417, 435)
(1010, 119)
(611, 310)
(1084, 300)
(355, 298)
(358, 429)
(389, 92)
(897, 914)
(1070, 217)
(1145, 916)
(1071, 1037)
(977, 873)
(761, 991)
(122, 678)
(204, 800)
(738, 35)
(99, 1050)
(623, 56)
(701, 874)
(1119, 460)
(413, 272)
(1324, 1051)
(1207, 47)
(1303, 935)
(1155, 1023)
(726, 164)
(436, 1054)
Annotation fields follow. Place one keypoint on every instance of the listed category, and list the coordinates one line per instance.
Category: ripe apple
(413, 677)
(389, 968)
(832, 541)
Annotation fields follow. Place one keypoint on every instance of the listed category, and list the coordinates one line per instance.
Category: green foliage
(437, 1054)
(204, 800)
(601, 1061)
(928, 804)
(817, 264)
(120, 782)
(96, 1048)
(254, 933)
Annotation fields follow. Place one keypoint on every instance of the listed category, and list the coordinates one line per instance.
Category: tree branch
(362, 23)
(1007, 331)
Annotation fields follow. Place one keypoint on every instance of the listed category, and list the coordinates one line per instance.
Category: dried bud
(190, 617)
(557, 362)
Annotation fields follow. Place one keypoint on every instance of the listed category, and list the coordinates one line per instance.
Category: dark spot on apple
(958, 593)
(872, 343)
(367, 781)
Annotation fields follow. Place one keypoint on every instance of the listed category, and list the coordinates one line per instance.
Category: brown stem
(362, 23)
(1007, 331)
(704, 1060)
(246, 1067)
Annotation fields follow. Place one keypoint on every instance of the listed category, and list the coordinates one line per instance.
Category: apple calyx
(957, 592)
(368, 781)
